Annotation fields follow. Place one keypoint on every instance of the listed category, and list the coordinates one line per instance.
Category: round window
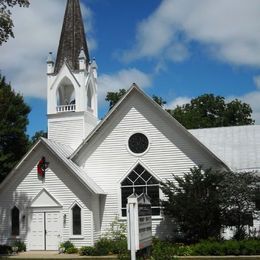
(138, 143)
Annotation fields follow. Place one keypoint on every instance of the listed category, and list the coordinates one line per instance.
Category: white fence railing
(66, 108)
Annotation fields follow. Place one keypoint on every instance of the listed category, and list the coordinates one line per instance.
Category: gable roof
(238, 146)
(131, 90)
(61, 152)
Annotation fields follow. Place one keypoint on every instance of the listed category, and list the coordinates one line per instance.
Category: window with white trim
(15, 221)
(139, 181)
(76, 220)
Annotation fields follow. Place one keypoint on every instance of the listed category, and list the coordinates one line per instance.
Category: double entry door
(45, 230)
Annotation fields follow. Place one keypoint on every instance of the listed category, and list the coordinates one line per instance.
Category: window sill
(77, 237)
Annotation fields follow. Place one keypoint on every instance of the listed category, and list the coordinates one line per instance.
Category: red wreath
(41, 167)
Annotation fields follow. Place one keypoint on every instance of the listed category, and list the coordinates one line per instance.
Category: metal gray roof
(237, 146)
(63, 152)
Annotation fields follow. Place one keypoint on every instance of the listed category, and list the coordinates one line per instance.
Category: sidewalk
(53, 255)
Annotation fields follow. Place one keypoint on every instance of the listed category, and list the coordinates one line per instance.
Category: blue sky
(177, 49)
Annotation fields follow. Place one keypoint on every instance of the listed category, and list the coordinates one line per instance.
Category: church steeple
(72, 107)
(72, 39)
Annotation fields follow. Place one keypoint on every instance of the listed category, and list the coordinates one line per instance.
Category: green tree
(114, 97)
(13, 121)
(193, 202)
(6, 22)
(159, 100)
(238, 204)
(202, 202)
(212, 111)
(37, 135)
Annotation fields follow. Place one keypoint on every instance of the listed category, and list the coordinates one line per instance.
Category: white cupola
(72, 83)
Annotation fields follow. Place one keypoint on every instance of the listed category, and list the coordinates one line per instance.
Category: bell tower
(71, 83)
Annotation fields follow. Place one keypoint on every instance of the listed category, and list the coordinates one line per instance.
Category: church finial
(72, 38)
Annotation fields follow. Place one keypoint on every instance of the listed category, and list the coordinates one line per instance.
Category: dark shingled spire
(72, 38)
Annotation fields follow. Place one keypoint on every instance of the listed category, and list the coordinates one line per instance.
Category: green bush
(119, 246)
(72, 250)
(166, 250)
(124, 256)
(231, 247)
(106, 246)
(206, 248)
(69, 248)
(87, 250)
(249, 247)
(183, 250)
(5, 250)
(20, 245)
(163, 251)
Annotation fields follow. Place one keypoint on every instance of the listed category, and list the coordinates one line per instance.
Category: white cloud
(122, 79)
(253, 98)
(256, 80)
(37, 31)
(179, 101)
(229, 30)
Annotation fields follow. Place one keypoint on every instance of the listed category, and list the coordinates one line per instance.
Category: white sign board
(139, 222)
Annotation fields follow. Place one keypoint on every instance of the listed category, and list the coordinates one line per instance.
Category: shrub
(72, 250)
(249, 247)
(213, 248)
(87, 250)
(124, 256)
(231, 247)
(20, 245)
(5, 250)
(119, 246)
(163, 251)
(117, 230)
(104, 246)
(182, 250)
(69, 248)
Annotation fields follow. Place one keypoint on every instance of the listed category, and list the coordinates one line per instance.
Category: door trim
(43, 211)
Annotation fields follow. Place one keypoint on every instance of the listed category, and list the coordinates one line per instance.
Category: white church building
(72, 185)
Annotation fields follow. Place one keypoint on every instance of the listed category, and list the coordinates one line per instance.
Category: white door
(37, 231)
(53, 230)
(45, 231)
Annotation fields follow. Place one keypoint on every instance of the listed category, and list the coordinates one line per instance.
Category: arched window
(89, 97)
(76, 220)
(139, 180)
(66, 96)
(15, 215)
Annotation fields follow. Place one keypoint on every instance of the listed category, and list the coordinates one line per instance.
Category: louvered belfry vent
(72, 38)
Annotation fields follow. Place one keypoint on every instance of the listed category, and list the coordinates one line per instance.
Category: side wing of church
(72, 185)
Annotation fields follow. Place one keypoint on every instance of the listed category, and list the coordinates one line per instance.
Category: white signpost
(139, 223)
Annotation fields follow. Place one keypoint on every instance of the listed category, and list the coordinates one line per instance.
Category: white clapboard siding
(69, 132)
(107, 160)
(64, 187)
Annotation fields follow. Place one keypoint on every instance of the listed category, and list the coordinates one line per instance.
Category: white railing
(66, 108)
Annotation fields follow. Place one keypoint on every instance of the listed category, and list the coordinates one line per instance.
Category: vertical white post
(132, 232)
